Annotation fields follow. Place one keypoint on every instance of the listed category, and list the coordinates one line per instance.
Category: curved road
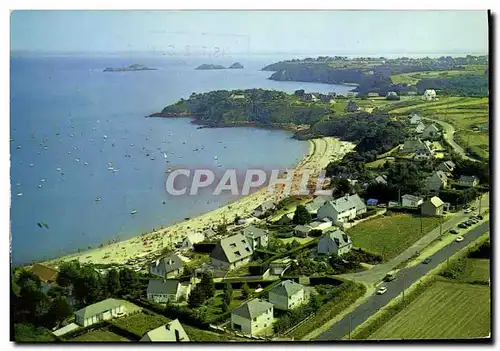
(449, 132)
(404, 279)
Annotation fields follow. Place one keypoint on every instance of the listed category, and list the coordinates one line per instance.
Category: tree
(188, 271)
(245, 291)
(129, 283)
(301, 215)
(341, 186)
(113, 286)
(315, 233)
(68, 273)
(222, 229)
(87, 288)
(196, 298)
(207, 284)
(228, 293)
(59, 310)
(224, 306)
(315, 302)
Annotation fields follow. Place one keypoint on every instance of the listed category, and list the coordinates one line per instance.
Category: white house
(163, 290)
(420, 128)
(415, 119)
(429, 94)
(342, 209)
(335, 242)
(287, 295)
(313, 206)
(170, 332)
(438, 180)
(433, 207)
(191, 239)
(411, 201)
(100, 311)
(446, 166)
(231, 252)
(469, 181)
(167, 267)
(256, 237)
(252, 317)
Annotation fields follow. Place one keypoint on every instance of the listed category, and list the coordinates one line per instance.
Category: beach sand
(321, 152)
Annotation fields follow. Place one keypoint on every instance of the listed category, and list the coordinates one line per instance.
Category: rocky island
(134, 67)
(207, 66)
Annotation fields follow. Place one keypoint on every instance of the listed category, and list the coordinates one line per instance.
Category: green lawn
(140, 323)
(478, 269)
(200, 335)
(214, 306)
(414, 77)
(390, 235)
(443, 311)
(100, 336)
(377, 163)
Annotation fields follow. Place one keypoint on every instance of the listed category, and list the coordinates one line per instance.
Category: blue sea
(72, 125)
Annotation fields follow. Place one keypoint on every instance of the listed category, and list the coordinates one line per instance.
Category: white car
(468, 210)
(382, 290)
(459, 239)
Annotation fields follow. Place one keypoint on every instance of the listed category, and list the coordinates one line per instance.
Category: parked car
(462, 225)
(479, 217)
(454, 230)
(427, 260)
(382, 290)
(473, 220)
(469, 223)
(459, 239)
(468, 210)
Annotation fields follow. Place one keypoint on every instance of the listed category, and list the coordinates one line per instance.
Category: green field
(140, 323)
(478, 269)
(414, 77)
(390, 235)
(214, 306)
(445, 310)
(100, 336)
(200, 335)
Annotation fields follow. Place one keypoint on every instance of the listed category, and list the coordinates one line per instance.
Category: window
(237, 254)
(247, 248)
(255, 319)
(243, 241)
(233, 245)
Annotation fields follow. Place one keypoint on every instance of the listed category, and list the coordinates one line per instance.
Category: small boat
(42, 180)
(32, 165)
(168, 170)
(133, 212)
(18, 147)
(115, 170)
(58, 169)
(98, 198)
(45, 147)
(216, 158)
(39, 185)
(86, 163)
(69, 152)
(77, 159)
(110, 168)
(165, 156)
(18, 184)
(105, 136)
(19, 194)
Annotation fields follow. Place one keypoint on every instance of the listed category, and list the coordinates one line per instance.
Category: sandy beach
(321, 152)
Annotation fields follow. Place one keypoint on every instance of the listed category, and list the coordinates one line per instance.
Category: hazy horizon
(225, 33)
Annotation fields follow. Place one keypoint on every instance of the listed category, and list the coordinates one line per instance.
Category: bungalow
(231, 252)
(415, 119)
(352, 107)
(335, 242)
(100, 311)
(162, 290)
(263, 208)
(411, 201)
(287, 295)
(433, 207)
(167, 267)
(436, 181)
(446, 166)
(302, 231)
(342, 209)
(381, 179)
(469, 181)
(252, 317)
(256, 237)
(431, 132)
(173, 332)
(46, 275)
(429, 94)
(420, 128)
(373, 94)
(191, 239)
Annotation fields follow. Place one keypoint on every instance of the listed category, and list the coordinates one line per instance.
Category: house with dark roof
(431, 132)
(438, 180)
(256, 237)
(163, 290)
(167, 267)
(100, 311)
(170, 332)
(446, 166)
(231, 252)
(342, 209)
(469, 181)
(252, 317)
(313, 206)
(263, 208)
(47, 276)
(287, 295)
(335, 242)
(412, 145)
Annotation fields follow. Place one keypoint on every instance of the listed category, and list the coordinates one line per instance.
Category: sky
(252, 32)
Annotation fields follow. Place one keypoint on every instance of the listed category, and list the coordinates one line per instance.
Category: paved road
(404, 279)
(449, 132)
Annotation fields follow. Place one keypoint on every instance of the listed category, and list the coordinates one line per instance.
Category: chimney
(347, 196)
